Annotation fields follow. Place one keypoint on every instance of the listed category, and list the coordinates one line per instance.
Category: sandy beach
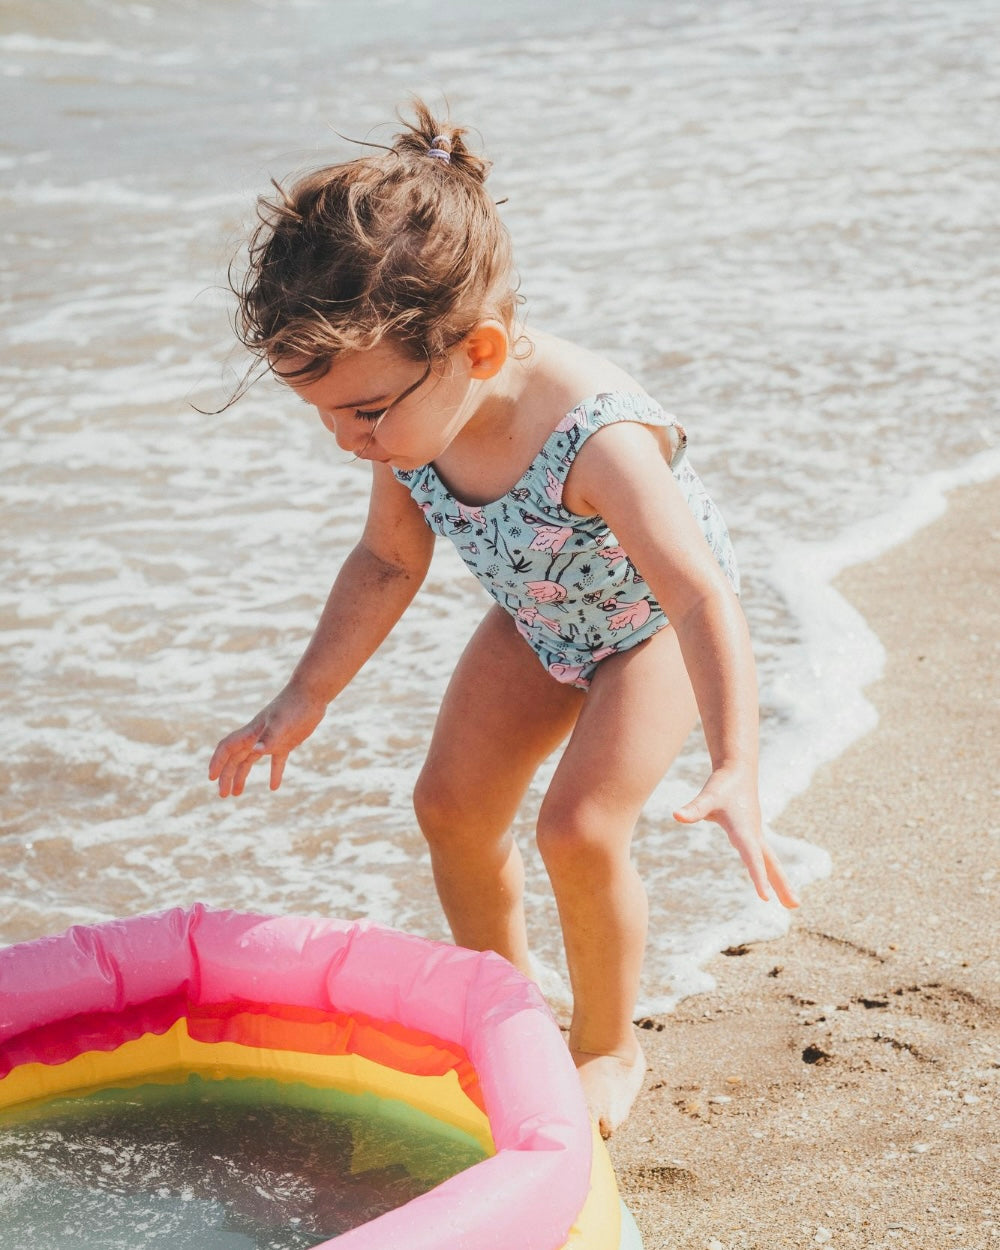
(839, 1087)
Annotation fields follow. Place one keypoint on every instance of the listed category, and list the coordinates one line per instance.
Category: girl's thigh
(638, 713)
(501, 715)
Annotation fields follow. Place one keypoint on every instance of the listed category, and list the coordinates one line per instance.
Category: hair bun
(442, 141)
(440, 149)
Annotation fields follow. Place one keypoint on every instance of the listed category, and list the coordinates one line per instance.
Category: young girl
(382, 292)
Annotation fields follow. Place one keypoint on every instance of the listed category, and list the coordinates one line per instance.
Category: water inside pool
(205, 1164)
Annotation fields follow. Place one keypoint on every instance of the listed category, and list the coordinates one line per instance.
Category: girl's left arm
(621, 474)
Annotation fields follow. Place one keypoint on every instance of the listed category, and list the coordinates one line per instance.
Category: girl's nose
(341, 431)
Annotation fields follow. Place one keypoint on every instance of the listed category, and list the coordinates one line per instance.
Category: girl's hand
(276, 731)
(729, 798)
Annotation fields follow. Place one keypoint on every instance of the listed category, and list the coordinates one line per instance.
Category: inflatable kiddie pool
(453, 1034)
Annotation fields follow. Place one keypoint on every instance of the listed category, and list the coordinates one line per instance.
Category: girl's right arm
(372, 590)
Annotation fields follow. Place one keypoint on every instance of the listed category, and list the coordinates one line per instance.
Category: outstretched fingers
(278, 761)
(276, 731)
(242, 772)
(233, 759)
(738, 814)
(779, 881)
(750, 847)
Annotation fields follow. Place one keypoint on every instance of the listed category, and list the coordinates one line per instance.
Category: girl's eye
(376, 415)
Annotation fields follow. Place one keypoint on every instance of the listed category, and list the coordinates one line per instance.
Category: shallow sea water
(780, 217)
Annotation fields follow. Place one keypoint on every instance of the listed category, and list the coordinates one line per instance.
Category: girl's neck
(512, 417)
(499, 399)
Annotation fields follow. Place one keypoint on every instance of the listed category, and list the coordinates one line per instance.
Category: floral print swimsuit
(575, 596)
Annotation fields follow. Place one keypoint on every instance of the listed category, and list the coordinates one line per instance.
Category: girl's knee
(449, 814)
(578, 836)
(438, 808)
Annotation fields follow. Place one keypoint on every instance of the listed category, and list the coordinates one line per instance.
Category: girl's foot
(611, 1085)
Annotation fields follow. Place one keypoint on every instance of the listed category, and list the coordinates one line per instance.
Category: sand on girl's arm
(840, 1086)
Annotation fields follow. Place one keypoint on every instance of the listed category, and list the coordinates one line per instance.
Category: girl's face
(383, 405)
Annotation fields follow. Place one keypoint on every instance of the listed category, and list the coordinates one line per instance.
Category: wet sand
(840, 1086)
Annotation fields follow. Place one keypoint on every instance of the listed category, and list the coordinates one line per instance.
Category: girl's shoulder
(572, 388)
(564, 373)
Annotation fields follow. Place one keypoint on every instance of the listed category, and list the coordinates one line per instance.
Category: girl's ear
(486, 349)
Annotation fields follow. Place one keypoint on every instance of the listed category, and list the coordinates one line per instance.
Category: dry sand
(840, 1086)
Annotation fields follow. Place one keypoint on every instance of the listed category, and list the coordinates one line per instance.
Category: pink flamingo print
(522, 628)
(474, 514)
(532, 616)
(565, 673)
(546, 592)
(612, 554)
(550, 538)
(576, 417)
(635, 614)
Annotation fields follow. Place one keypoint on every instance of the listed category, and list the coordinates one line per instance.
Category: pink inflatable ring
(353, 1006)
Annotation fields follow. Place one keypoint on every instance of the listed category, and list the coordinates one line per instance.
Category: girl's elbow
(714, 606)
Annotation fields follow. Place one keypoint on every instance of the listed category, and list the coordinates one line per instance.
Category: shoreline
(839, 1085)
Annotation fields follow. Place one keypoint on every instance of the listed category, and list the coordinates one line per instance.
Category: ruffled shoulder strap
(609, 408)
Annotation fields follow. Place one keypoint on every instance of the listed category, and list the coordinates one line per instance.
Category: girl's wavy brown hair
(396, 245)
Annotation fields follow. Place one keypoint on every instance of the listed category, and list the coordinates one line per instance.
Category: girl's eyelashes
(375, 415)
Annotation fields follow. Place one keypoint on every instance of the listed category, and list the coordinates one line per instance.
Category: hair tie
(440, 154)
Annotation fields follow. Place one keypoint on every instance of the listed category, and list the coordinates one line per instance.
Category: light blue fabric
(573, 592)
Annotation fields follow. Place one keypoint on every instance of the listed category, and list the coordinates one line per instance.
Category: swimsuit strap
(607, 408)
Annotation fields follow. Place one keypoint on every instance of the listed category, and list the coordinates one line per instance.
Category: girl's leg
(502, 714)
(638, 713)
